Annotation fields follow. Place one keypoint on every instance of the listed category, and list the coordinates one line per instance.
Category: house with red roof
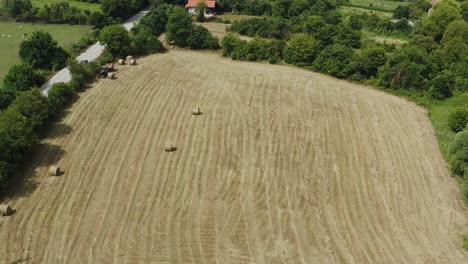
(210, 5)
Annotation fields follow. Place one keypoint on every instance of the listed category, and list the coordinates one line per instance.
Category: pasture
(383, 5)
(65, 35)
(82, 5)
(283, 166)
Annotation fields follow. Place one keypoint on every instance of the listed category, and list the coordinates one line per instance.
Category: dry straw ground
(284, 166)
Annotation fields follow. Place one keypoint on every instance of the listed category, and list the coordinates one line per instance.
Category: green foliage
(229, 44)
(117, 39)
(156, 19)
(402, 11)
(301, 50)
(442, 14)
(442, 85)
(179, 27)
(335, 60)
(144, 42)
(458, 119)
(459, 152)
(33, 106)
(21, 9)
(464, 10)
(201, 38)
(42, 51)
(368, 60)
(98, 20)
(409, 68)
(19, 78)
(121, 8)
(465, 236)
(266, 27)
(59, 94)
(200, 11)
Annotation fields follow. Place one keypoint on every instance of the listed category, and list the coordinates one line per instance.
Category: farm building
(191, 6)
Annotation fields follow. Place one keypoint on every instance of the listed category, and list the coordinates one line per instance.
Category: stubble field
(284, 166)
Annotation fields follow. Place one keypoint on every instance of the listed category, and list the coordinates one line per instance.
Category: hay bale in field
(121, 62)
(54, 170)
(196, 111)
(132, 62)
(111, 75)
(129, 57)
(170, 147)
(5, 210)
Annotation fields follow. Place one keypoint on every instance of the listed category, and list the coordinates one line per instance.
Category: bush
(59, 94)
(144, 43)
(229, 44)
(267, 27)
(19, 78)
(335, 60)
(442, 84)
(459, 154)
(156, 19)
(201, 38)
(368, 61)
(301, 50)
(458, 118)
(33, 105)
(179, 27)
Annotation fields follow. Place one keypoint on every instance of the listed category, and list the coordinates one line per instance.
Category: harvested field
(220, 30)
(284, 166)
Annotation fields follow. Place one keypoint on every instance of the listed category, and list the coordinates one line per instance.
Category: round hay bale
(5, 210)
(132, 62)
(111, 75)
(54, 170)
(196, 111)
(129, 57)
(169, 147)
(121, 62)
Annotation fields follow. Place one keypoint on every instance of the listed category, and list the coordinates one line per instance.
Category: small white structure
(191, 7)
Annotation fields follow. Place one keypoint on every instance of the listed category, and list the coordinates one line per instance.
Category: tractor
(109, 67)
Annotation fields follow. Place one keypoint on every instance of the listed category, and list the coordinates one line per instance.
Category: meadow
(66, 35)
(81, 5)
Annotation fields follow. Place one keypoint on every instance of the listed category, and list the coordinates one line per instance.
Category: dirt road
(284, 166)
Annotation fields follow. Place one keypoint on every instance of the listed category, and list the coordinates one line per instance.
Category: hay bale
(121, 62)
(54, 170)
(170, 147)
(5, 210)
(129, 57)
(111, 75)
(196, 111)
(132, 62)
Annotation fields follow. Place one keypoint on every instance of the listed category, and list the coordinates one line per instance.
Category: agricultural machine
(105, 70)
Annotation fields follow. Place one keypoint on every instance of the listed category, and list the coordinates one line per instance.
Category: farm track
(284, 166)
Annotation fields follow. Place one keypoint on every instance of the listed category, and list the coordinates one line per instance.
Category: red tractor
(109, 67)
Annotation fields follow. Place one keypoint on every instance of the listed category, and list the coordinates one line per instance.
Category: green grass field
(348, 10)
(383, 5)
(81, 5)
(66, 35)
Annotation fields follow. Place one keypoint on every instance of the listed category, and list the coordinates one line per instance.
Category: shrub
(201, 38)
(145, 43)
(459, 154)
(59, 94)
(368, 61)
(156, 19)
(301, 50)
(442, 84)
(458, 118)
(179, 27)
(33, 106)
(335, 60)
(229, 43)
(19, 78)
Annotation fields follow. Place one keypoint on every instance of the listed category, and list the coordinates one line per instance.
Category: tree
(6, 97)
(464, 10)
(458, 119)
(98, 20)
(179, 27)
(402, 11)
(156, 20)
(42, 51)
(335, 60)
(442, 85)
(19, 78)
(117, 39)
(19, 8)
(144, 42)
(301, 50)
(201, 38)
(229, 43)
(33, 106)
(368, 61)
(442, 14)
(200, 11)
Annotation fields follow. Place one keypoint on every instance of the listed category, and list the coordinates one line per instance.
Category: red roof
(194, 3)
